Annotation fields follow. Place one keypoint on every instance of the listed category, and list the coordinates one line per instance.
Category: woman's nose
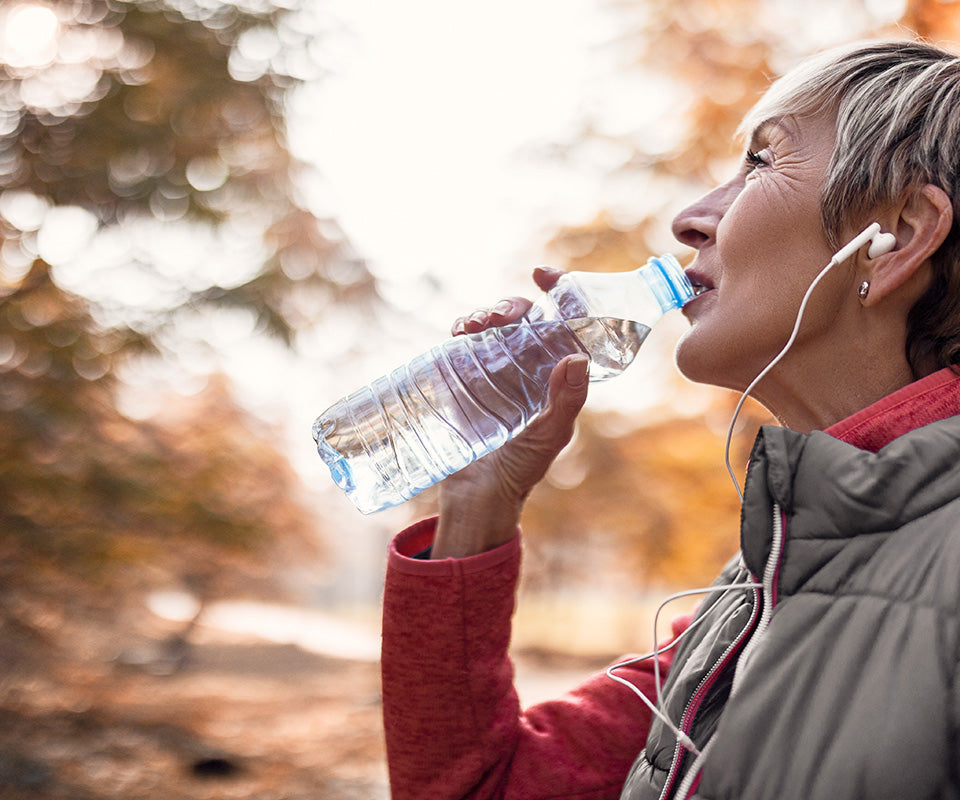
(690, 229)
(697, 224)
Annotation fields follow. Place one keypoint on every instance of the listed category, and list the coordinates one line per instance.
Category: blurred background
(218, 217)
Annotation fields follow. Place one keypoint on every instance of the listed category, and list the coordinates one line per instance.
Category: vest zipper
(771, 574)
(765, 604)
(693, 704)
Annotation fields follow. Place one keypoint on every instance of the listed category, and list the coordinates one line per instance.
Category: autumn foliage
(169, 115)
(93, 499)
(138, 114)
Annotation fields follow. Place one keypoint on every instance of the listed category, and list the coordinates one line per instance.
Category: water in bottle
(466, 397)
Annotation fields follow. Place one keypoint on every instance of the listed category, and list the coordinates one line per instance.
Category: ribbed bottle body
(463, 399)
(431, 417)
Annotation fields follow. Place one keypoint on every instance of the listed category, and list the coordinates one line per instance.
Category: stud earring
(864, 290)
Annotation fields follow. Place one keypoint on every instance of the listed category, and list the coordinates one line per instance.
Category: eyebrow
(762, 128)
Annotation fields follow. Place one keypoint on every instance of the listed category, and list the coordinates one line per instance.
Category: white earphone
(880, 244)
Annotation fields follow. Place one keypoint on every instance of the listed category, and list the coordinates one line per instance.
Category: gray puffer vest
(837, 678)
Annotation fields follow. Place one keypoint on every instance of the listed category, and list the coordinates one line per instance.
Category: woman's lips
(699, 282)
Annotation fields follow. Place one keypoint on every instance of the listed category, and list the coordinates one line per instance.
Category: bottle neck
(642, 296)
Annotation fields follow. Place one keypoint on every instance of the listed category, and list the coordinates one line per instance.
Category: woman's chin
(696, 361)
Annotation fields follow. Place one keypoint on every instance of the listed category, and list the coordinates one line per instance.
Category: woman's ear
(920, 224)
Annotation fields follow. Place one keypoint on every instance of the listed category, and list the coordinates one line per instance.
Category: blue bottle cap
(668, 282)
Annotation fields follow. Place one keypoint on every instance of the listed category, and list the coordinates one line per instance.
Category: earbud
(881, 243)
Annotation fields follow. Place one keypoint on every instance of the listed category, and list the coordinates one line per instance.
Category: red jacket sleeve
(453, 722)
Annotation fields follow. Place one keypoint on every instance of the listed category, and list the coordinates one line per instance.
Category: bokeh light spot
(207, 173)
(66, 230)
(29, 36)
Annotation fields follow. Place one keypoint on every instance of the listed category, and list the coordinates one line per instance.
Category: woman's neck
(818, 397)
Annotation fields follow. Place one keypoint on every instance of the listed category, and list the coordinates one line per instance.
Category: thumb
(569, 383)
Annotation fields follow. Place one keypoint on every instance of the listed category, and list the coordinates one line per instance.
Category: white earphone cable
(657, 651)
(866, 235)
(765, 371)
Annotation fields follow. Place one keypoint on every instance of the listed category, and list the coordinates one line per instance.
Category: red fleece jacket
(453, 722)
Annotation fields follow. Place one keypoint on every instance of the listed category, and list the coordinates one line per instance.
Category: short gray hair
(897, 106)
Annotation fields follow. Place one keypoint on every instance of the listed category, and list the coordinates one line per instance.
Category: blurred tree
(659, 511)
(932, 19)
(171, 110)
(660, 496)
(123, 116)
(92, 497)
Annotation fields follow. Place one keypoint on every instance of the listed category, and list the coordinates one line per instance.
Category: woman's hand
(480, 505)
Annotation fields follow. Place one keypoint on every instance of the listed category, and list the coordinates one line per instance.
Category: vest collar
(871, 473)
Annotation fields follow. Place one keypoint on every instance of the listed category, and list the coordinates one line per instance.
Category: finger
(474, 323)
(509, 310)
(477, 321)
(547, 277)
(567, 392)
(503, 313)
(571, 394)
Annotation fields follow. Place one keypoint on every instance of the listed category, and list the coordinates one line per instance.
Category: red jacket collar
(927, 400)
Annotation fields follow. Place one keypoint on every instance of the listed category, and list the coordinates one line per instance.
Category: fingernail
(577, 369)
(503, 308)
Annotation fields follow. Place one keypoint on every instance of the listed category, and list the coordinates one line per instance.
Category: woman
(828, 667)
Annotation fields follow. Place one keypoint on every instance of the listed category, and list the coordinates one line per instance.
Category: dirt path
(239, 719)
(231, 716)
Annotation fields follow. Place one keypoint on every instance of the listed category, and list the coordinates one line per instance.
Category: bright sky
(420, 137)
(419, 132)
(429, 139)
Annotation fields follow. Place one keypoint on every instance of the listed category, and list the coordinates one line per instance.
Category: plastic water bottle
(464, 398)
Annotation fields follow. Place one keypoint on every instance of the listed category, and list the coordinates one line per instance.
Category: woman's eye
(752, 160)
